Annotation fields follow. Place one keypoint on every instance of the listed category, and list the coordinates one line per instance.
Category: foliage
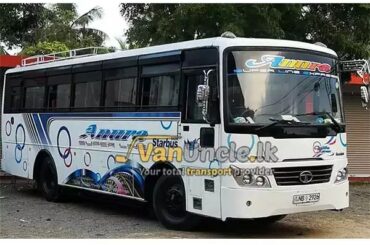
(343, 27)
(51, 23)
(45, 48)
(17, 22)
(122, 44)
(3, 51)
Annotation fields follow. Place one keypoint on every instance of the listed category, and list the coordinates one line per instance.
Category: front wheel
(48, 181)
(169, 203)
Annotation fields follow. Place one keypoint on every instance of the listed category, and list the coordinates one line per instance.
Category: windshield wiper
(281, 121)
(336, 126)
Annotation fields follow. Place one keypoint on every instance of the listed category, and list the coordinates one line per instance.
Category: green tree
(152, 24)
(122, 44)
(64, 25)
(19, 21)
(45, 48)
(343, 27)
(29, 25)
(3, 51)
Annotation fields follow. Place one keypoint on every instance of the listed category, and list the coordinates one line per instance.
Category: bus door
(200, 139)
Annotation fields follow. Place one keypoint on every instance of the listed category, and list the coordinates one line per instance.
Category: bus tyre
(169, 203)
(48, 181)
(269, 220)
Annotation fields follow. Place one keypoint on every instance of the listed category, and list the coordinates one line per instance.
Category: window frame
(176, 75)
(76, 81)
(56, 83)
(193, 57)
(133, 75)
(35, 82)
(12, 81)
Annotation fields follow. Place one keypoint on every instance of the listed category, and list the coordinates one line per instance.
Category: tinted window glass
(161, 91)
(120, 93)
(193, 111)
(15, 98)
(87, 94)
(59, 96)
(34, 97)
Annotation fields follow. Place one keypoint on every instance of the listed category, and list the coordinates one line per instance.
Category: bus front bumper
(255, 203)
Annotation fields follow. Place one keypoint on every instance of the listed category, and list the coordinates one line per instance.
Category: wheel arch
(151, 179)
(38, 162)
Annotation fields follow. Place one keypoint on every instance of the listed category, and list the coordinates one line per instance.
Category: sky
(111, 23)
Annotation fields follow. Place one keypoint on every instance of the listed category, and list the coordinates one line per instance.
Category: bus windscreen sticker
(274, 63)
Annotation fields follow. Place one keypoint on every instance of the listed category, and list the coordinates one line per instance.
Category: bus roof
(220, 42)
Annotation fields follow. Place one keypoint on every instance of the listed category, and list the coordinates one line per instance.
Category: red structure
(355, 72)
(9, 61)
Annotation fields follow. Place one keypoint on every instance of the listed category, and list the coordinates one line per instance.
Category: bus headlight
(247, 179)
(260, 181)
(244, 178)
(342, 175)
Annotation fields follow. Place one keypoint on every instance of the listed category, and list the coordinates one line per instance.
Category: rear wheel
(48, 181)
(169, 203)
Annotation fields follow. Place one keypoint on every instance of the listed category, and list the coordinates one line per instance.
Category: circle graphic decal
(110, 161)
(8, 128)
(166, 127)
(87, 159)
(66, 154)
(20, 142)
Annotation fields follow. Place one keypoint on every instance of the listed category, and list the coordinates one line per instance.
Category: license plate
(306, 198)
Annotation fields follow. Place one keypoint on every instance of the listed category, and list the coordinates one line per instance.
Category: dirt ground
(25, 214)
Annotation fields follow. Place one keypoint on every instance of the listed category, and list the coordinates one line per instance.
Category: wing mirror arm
(202, 95)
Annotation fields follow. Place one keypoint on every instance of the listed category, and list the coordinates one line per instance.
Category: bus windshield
(266, 86)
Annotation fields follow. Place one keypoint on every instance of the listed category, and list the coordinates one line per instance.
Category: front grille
(290, 175)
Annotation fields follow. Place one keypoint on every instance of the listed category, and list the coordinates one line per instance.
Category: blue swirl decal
(341, 141)
(123, 180)
(166, 127)
(212, 163)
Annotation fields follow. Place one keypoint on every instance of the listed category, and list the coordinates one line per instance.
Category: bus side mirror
(364, 96)
(202, 95)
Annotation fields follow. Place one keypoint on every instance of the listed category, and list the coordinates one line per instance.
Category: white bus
(75, 122)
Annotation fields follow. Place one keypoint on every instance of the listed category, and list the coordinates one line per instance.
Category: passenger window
(87, 94)
(87, 89)
(161, 91)
(120, 92)
(15, 98)
(59, 96)
(34, 98)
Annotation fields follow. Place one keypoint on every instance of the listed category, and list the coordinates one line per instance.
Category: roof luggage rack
(65, 55)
